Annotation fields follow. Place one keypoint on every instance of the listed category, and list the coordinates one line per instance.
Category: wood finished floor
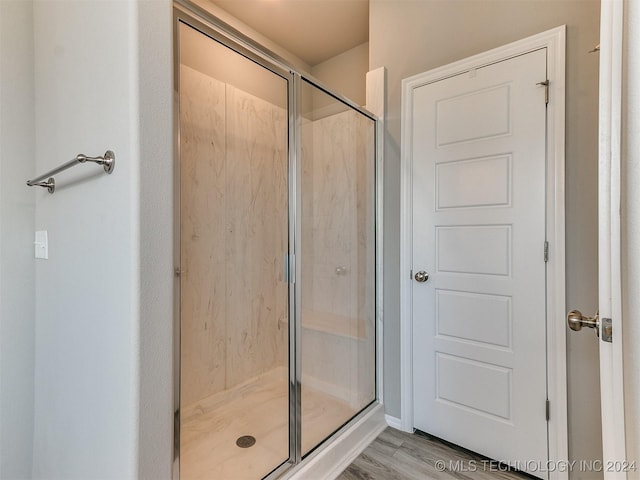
(396, 455)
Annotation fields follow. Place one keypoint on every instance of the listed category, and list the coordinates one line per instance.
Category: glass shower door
(234, 308)
(337, 259)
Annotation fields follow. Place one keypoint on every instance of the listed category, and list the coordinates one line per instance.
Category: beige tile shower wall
(338, 257)
(335, 227)
(342, 171)
(365, 153)
(234, 233)
(257, 236)
(202, 246)
(365, 171)
(307, 199)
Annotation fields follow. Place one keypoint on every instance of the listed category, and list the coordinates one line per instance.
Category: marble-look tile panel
(366, 207)
(306, 213)
(333, 222)
(234, 310)
(257, 233)
(202, 242)
(338, 341)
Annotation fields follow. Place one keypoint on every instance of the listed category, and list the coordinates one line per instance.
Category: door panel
(478, 154)
(481, 250)
(337, 259)
(457, 314)
(486, 181)
(234, 320)
(454, 125)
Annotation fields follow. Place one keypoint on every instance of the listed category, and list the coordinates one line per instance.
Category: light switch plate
(41, 244)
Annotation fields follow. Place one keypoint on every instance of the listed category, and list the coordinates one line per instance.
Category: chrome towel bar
(108, 162)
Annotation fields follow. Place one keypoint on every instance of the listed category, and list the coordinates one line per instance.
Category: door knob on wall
(421, 276)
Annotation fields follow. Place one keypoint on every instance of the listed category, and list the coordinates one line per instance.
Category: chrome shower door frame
(196, 17)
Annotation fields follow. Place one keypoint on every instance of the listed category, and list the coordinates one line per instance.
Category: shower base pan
(258, 408)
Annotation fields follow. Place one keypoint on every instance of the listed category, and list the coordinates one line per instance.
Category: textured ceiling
(313, 30)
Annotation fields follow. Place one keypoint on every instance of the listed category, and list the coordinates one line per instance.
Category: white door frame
(609, 244)
(554, 41)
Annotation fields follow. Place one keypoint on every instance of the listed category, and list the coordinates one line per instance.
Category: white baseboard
(393, 422)
(331, 461)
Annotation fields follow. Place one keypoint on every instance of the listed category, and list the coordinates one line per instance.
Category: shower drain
(246, 441)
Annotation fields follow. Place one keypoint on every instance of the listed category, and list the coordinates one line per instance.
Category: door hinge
(545, 84)
(546, 251)
(547, 409)
(176, 434)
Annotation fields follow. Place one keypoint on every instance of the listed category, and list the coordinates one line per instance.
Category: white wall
(17, 283)
(155, 278)
(103, 299)
(86, 293)
(409, 37)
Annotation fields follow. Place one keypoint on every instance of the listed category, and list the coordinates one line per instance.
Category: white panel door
(479, 321)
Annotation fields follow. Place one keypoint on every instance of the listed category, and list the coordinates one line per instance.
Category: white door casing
(609, 241)
(464, 243)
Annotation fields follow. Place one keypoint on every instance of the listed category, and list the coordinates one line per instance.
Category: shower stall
(276, 227)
